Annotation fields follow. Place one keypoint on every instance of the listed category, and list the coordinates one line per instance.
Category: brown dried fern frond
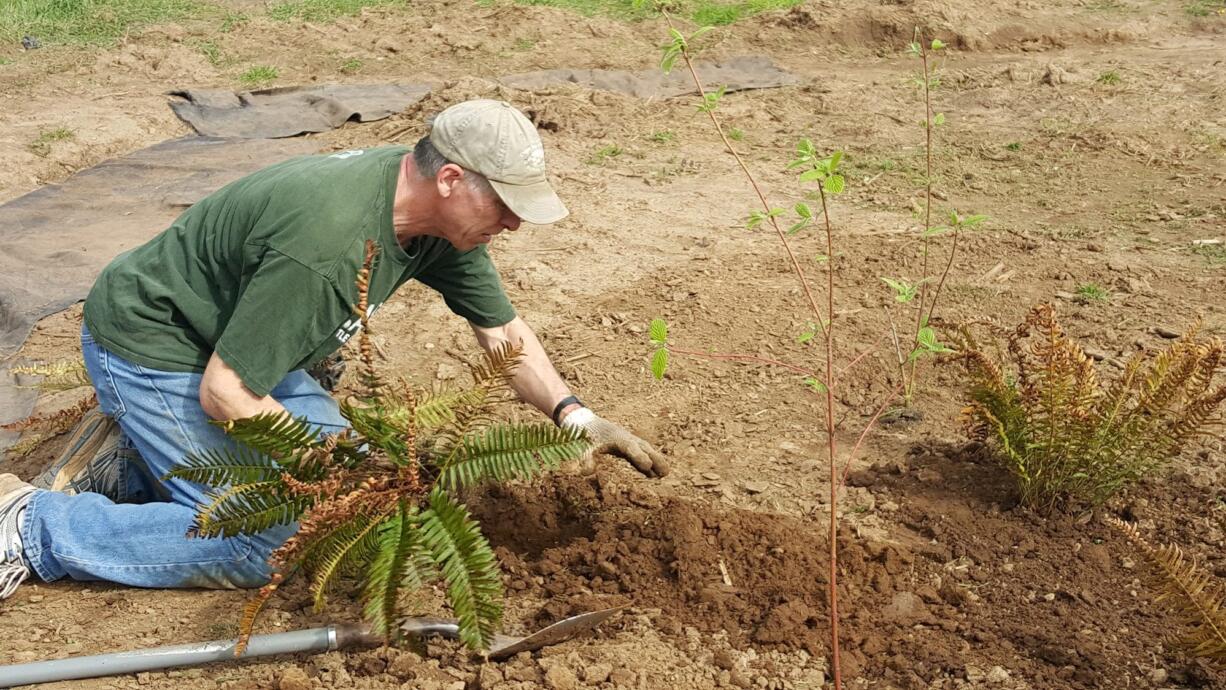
(1190, 593)
(48, 425)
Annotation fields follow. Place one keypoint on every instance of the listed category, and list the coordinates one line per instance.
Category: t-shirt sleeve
(470, 286)
(283, 314)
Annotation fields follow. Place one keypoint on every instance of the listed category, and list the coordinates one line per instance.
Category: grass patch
(1213, 253)
(42, 145)
(324, 10)
(260, 75)
(1109, 78)
(1092, 292)
(351, 66)
(663, 137)
(1205, 8)
(736, 134)
(703, 12)
(94, 22)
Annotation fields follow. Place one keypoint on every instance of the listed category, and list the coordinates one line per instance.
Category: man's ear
(448, 178)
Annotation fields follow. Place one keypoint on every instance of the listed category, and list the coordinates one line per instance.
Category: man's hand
(610, 437)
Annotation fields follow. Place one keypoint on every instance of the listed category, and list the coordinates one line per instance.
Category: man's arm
(538, 383)
(224, 396)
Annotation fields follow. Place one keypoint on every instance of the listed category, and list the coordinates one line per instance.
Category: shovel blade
(505, 646)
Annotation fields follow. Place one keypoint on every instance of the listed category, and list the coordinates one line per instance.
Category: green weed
(523, 45)
(604, 153)
(1109, 78)
(211, 52)
(736, 134)
(42, 145)
(663, 137)
(1092, 292)
(1014, 146)
(92, 22)
(258, 76)
(351, 66)
(1213, 253)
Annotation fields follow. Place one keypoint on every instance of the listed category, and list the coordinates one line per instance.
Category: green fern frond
(380, 427)
(508, 451)
(401, 564)
(1190, 593)
(234, 513)
(353, 546)
(226, 467)
(275, 434)
(437, 408)
(468, 566)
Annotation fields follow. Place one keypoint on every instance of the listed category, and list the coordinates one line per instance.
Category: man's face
(470, 214)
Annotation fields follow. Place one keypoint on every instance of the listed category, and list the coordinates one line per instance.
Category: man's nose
(511, 222)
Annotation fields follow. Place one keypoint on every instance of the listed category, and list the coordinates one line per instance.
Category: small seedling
(523, 45)
(663, 137)
(1092, 292)
(1109, 78)
(260, 75)
(1205, 8)
(351, 66)
(604, 153)
(1014, 146)
(736, 134)
(232, 21)
(1214, 253)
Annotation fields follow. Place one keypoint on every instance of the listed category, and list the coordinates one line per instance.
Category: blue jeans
(88, 537)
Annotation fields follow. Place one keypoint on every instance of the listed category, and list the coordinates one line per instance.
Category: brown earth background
(945, 582)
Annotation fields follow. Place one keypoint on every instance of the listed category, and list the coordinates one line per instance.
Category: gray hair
(429, 160)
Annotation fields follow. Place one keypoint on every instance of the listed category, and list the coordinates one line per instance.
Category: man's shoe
(14, 495)
(95, 460)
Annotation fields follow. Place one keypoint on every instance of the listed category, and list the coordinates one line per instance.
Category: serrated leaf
(914, 47)
(936, 230)
(938, 119)
(972, 221)
(833, 184)
(755, 219)
(815, 385)
(811, 175)
(835, 159)
(806, 336)
(821, 258)
(797, 227)
(659, 331)
(803, 210)
(700, 32)
(926, 337)
(937, 44)
(659, 364)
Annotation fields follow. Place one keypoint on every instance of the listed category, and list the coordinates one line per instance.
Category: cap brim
(535, 203)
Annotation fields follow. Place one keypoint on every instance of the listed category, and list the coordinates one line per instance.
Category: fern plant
(1190, 593)
(1065, 436)
(378, 501)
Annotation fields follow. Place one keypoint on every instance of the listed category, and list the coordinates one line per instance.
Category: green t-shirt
(263, 272)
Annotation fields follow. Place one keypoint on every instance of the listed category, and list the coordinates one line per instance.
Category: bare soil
(945, 582)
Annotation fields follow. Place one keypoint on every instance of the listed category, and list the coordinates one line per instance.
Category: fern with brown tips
(378, 501)
(1190, 593)
(1063, 435)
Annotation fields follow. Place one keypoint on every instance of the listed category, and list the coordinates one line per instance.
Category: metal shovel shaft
(74, 668)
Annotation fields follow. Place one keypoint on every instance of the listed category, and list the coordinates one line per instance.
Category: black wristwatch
(568, 400)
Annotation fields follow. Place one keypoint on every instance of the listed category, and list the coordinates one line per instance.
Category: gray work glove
(611, 437)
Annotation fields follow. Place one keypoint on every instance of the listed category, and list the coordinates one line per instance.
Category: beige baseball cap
(494, 139)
